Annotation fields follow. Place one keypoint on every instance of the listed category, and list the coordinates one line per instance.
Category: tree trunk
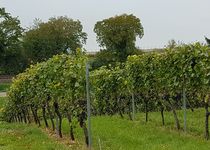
(59, 119)
(50, 114)
(162, 115)
(21, 117)
(176, 119)
(175, 115)
(71, 130)
(81, 119)
(15, 118)
(34, 116)
(146, 109)
(24, 116)
(37, 118)
(44, 115)
(28, 116)
(129, 111)
(18, 117)
(121, 114)
(207, 122)
(85, 130)
(86, 134)
(119, 108)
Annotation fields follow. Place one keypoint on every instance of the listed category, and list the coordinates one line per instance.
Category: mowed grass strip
(18, 136)
(2, 103)
(24, 137)
(114, 133)
(4, 87)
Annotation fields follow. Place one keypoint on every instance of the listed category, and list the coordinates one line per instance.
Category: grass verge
(18, 136)
(4, 87)
(114, 133)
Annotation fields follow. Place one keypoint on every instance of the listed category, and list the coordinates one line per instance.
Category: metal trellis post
(88, 106)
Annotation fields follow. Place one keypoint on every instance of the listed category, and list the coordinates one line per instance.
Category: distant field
(4, 87)
(113, 133)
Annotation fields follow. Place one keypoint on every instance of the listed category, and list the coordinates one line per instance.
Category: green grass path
(4, 87)
(113, 133)
(26, 137)
(119, 134)
(18, 136)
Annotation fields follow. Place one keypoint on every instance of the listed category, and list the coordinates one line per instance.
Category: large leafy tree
(118, 34)
(103, 58)
(10, 48)
(58, 35)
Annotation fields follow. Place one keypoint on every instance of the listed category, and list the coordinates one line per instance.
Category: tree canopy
(118, 34)
(10, 48)
(58, 35)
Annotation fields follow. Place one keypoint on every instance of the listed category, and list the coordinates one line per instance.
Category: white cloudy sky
(182, 20)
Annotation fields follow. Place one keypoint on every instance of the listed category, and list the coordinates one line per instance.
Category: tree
(107, 57)
(207, 41)
(58, 35)
(10, 45)
(118, 34)
(103, 58)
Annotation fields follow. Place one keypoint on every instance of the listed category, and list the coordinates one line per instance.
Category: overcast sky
(183, 20)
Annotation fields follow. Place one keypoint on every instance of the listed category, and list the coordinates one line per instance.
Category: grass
(18, 136)
(2, 102)
(23, 137)
(4, 87)
(195, 121)
(114, 133)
